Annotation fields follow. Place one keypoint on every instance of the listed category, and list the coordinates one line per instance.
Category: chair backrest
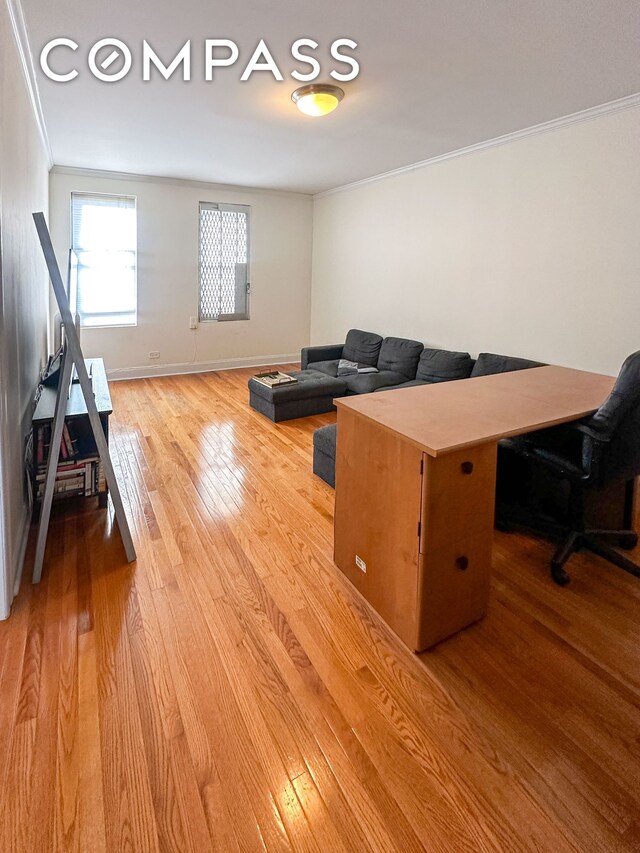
(618, 419)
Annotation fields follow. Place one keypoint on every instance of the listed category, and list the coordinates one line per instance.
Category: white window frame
(238, 208)
(76, 249)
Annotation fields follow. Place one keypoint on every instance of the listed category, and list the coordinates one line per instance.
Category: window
(103, 229)
(224, 261)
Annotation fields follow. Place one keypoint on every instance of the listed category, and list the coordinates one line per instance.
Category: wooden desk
(415, 489)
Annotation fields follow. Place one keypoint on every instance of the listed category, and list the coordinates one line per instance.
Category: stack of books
(79, 471)
(274, 377)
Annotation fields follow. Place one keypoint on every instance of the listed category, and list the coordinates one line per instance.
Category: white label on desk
(360, 563)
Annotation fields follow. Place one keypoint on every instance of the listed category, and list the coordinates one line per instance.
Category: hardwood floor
(230, 691)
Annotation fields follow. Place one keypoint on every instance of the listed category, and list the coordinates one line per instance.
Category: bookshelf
(80, 472)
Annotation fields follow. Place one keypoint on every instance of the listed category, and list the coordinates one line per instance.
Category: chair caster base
(559, 575)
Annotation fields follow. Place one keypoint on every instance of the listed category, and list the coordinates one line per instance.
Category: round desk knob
(462, 563)
(466, 467)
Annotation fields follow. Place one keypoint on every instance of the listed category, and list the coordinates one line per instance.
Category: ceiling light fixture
(317, 99)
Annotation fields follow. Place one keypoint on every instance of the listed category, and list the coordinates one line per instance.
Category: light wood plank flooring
(230, 691)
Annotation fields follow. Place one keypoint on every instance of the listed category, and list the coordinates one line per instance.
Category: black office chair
(599, 451)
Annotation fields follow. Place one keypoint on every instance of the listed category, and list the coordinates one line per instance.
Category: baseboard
(148, 372)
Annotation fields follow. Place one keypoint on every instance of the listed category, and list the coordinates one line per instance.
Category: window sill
(108, 326)
(227, 320)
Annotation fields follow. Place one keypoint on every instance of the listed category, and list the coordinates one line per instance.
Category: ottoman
(312, 394)
(324, 454)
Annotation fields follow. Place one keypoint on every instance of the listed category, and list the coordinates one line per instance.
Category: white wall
(281, 231)
(531, 248)
(23, 299)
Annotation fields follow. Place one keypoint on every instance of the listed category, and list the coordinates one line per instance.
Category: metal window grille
(224, 262)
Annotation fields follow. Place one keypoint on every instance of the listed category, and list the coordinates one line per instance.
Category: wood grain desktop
(449, 415)
(415, 489)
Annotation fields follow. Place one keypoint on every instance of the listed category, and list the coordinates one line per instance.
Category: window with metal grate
(224, 262)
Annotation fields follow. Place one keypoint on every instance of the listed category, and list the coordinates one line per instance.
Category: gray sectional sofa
(395, 362)
(401, 363)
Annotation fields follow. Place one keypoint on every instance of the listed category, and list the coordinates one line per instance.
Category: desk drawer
(458, 495)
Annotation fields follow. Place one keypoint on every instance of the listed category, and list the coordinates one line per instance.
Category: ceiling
(436, 75)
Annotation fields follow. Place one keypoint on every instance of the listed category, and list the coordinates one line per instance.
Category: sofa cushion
(324, 440)
(400, 355)
(362, 347)
(329, 368)
(489, 362)
(441, 365)
(324, 454)
(365, 383)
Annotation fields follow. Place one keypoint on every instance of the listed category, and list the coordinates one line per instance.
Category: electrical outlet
(360, 563)
(154, 354)
(193, 322)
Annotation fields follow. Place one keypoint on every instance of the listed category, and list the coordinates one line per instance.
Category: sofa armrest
(325, 353)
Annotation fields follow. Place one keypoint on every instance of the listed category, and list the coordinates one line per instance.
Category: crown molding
(618, 105)
(81, 172)
(19, 27)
